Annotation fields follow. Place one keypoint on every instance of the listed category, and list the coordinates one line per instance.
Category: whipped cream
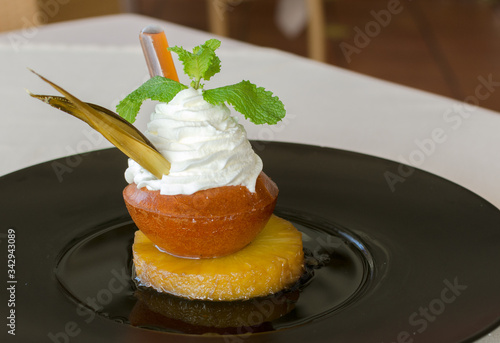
(204, 143)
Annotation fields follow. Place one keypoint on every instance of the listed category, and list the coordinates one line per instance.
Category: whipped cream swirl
(204, 143)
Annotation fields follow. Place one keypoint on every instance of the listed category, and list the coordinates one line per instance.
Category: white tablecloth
(100, 61)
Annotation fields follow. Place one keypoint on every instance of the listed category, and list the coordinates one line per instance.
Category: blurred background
(446, 47)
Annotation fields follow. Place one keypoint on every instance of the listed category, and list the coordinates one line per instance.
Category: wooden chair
(315, 32)
(18, 14)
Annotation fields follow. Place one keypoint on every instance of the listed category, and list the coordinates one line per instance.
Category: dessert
(197, 191)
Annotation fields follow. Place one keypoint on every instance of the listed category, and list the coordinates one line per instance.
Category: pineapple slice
(272, 262)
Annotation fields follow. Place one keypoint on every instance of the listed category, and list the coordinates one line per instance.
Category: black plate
(419, 253)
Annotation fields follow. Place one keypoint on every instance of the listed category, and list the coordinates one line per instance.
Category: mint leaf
(157, 88)
(185, 57)
(255, 103)
(211, 45)
(212, 69)
(202, 63)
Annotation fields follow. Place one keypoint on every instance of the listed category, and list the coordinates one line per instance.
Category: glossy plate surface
(411, 261)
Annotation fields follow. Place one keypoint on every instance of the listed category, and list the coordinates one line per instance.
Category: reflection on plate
(412, 261)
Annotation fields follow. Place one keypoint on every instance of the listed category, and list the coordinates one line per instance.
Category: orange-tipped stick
(158, 58)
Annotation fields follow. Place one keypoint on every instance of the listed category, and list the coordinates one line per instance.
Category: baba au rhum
(197, 191)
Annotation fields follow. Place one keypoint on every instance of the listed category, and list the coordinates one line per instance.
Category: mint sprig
(255, 103)
(202, 63)
(156, 88)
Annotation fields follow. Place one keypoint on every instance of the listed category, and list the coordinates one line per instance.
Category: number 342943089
(11, 253)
